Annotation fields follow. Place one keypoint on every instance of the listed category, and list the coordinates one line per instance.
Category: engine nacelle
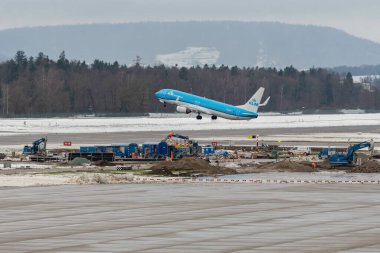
(183, 109)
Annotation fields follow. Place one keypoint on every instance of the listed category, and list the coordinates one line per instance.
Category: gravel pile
(370, 166)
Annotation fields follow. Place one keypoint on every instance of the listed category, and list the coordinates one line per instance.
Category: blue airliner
(189, 103)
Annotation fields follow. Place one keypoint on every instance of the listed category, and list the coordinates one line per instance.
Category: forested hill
(40, 85)
(359, 70)
(263, 44)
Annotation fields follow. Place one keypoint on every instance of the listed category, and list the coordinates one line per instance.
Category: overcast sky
(357, 17)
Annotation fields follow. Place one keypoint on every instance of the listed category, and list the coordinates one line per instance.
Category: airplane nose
(161, 94)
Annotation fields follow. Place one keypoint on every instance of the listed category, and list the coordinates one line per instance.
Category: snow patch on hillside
(191, 56)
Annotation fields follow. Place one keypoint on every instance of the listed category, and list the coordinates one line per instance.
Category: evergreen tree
(62, 62)
(183, 73)
(20, 59)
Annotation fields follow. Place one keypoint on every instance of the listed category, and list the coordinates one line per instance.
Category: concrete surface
(190, 218)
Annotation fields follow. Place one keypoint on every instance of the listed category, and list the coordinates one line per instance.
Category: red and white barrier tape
(252, 181)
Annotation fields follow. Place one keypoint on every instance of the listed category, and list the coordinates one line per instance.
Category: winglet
(266, 102)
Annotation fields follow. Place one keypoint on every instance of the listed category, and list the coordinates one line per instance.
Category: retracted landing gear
(213, 117)
(199, 117)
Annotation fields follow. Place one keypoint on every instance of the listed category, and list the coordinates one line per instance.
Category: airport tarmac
(190, 218)
(225, 137)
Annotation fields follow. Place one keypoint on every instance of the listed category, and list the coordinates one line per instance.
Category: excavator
(347, 158)
(38, 147)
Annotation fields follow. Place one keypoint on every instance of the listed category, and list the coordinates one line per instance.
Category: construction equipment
(176, 139)
(300, 151)
(326, 153)
(347, 158)
(149, 150)
(180, 145)
(38, 147)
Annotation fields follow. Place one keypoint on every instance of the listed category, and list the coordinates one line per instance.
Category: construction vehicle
(38, 148)
(300, 151)
(180, 145)
(347, 158)
(326, 153)
(176, 139)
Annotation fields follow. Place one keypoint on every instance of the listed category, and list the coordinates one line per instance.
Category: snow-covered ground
(136, 124)
(35, 180)
(102, 178)
(63, 179)
(23, 165)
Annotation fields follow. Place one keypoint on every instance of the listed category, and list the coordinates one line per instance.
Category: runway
(190, 218)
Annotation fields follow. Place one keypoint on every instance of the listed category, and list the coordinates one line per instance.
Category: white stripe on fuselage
(200, 109)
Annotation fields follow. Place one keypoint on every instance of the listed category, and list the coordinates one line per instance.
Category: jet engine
(183, 109)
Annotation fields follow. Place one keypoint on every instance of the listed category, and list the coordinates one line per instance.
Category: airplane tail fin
(254, 103)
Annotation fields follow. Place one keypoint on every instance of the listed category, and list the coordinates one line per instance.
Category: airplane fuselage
(197, 104)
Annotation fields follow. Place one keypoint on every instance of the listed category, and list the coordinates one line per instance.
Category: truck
(299, 151)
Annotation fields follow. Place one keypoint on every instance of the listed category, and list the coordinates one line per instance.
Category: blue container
(122, 150)
(162, 148)
(116, 150)
(126, 150)
(132, 148)
(221, 152)
(87, 149)
(149, 149)
(208, 150)
(101, 148)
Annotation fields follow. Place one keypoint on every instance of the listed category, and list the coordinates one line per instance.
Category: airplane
(189, 103)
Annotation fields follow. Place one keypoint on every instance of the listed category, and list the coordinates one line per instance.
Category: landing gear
(213, 117)
(199, 117)
(164, 104)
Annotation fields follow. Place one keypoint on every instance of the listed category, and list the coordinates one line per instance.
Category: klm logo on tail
(253, 102)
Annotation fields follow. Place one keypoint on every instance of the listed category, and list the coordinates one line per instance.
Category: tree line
(40, 85)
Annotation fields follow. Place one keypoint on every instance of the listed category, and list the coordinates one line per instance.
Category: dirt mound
(79, 161)
(370, 166)
(286, 165)
(189, 166)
